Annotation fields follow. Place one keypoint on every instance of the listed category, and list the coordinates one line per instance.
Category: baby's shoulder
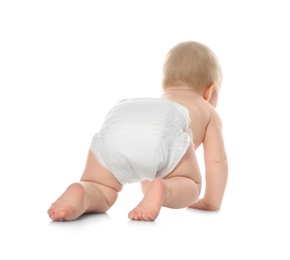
(214, 119)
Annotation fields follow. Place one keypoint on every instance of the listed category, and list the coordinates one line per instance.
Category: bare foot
(148, 209)
(70, 205)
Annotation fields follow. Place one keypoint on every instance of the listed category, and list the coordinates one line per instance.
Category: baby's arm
(216, 166)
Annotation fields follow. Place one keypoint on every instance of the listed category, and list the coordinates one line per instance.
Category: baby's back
(199, 111)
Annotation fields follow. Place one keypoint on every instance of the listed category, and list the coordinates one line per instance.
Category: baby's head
(192, 65)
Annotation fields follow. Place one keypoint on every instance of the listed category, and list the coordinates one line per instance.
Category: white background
(63, 64)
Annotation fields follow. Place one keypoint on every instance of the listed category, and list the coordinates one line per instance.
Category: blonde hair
(192, 64)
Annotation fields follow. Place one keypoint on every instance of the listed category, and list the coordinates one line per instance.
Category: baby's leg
(70, 205)
(96, 192)
(148, 209)
(174, 192)
(179, 189)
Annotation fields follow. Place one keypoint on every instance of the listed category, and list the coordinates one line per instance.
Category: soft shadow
(202, 212)
(142, 224)
(86, 218)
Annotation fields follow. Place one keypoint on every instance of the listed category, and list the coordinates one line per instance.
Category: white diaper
(142, 138)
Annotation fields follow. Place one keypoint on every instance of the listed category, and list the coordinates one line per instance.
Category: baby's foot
(70, 205)
(148, 209)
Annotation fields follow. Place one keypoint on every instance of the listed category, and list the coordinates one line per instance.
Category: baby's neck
(182, 92)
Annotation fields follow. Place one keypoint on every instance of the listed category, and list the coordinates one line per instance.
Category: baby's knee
(111, 195)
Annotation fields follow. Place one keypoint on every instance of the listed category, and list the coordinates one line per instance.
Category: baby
(153, 141)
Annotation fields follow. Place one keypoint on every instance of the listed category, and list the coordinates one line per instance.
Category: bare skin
(177, 190)
(207, 130)
(98, 189)
(70, 205)
(94, 193)
(90, 196)
(148, 209)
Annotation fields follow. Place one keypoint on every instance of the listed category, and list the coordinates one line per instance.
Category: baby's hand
(200, 204)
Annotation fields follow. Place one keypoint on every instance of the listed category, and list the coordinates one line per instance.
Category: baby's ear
(208, 92)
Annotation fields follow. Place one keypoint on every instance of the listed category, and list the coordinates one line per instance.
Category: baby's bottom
(97, 191)
(179, 189)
